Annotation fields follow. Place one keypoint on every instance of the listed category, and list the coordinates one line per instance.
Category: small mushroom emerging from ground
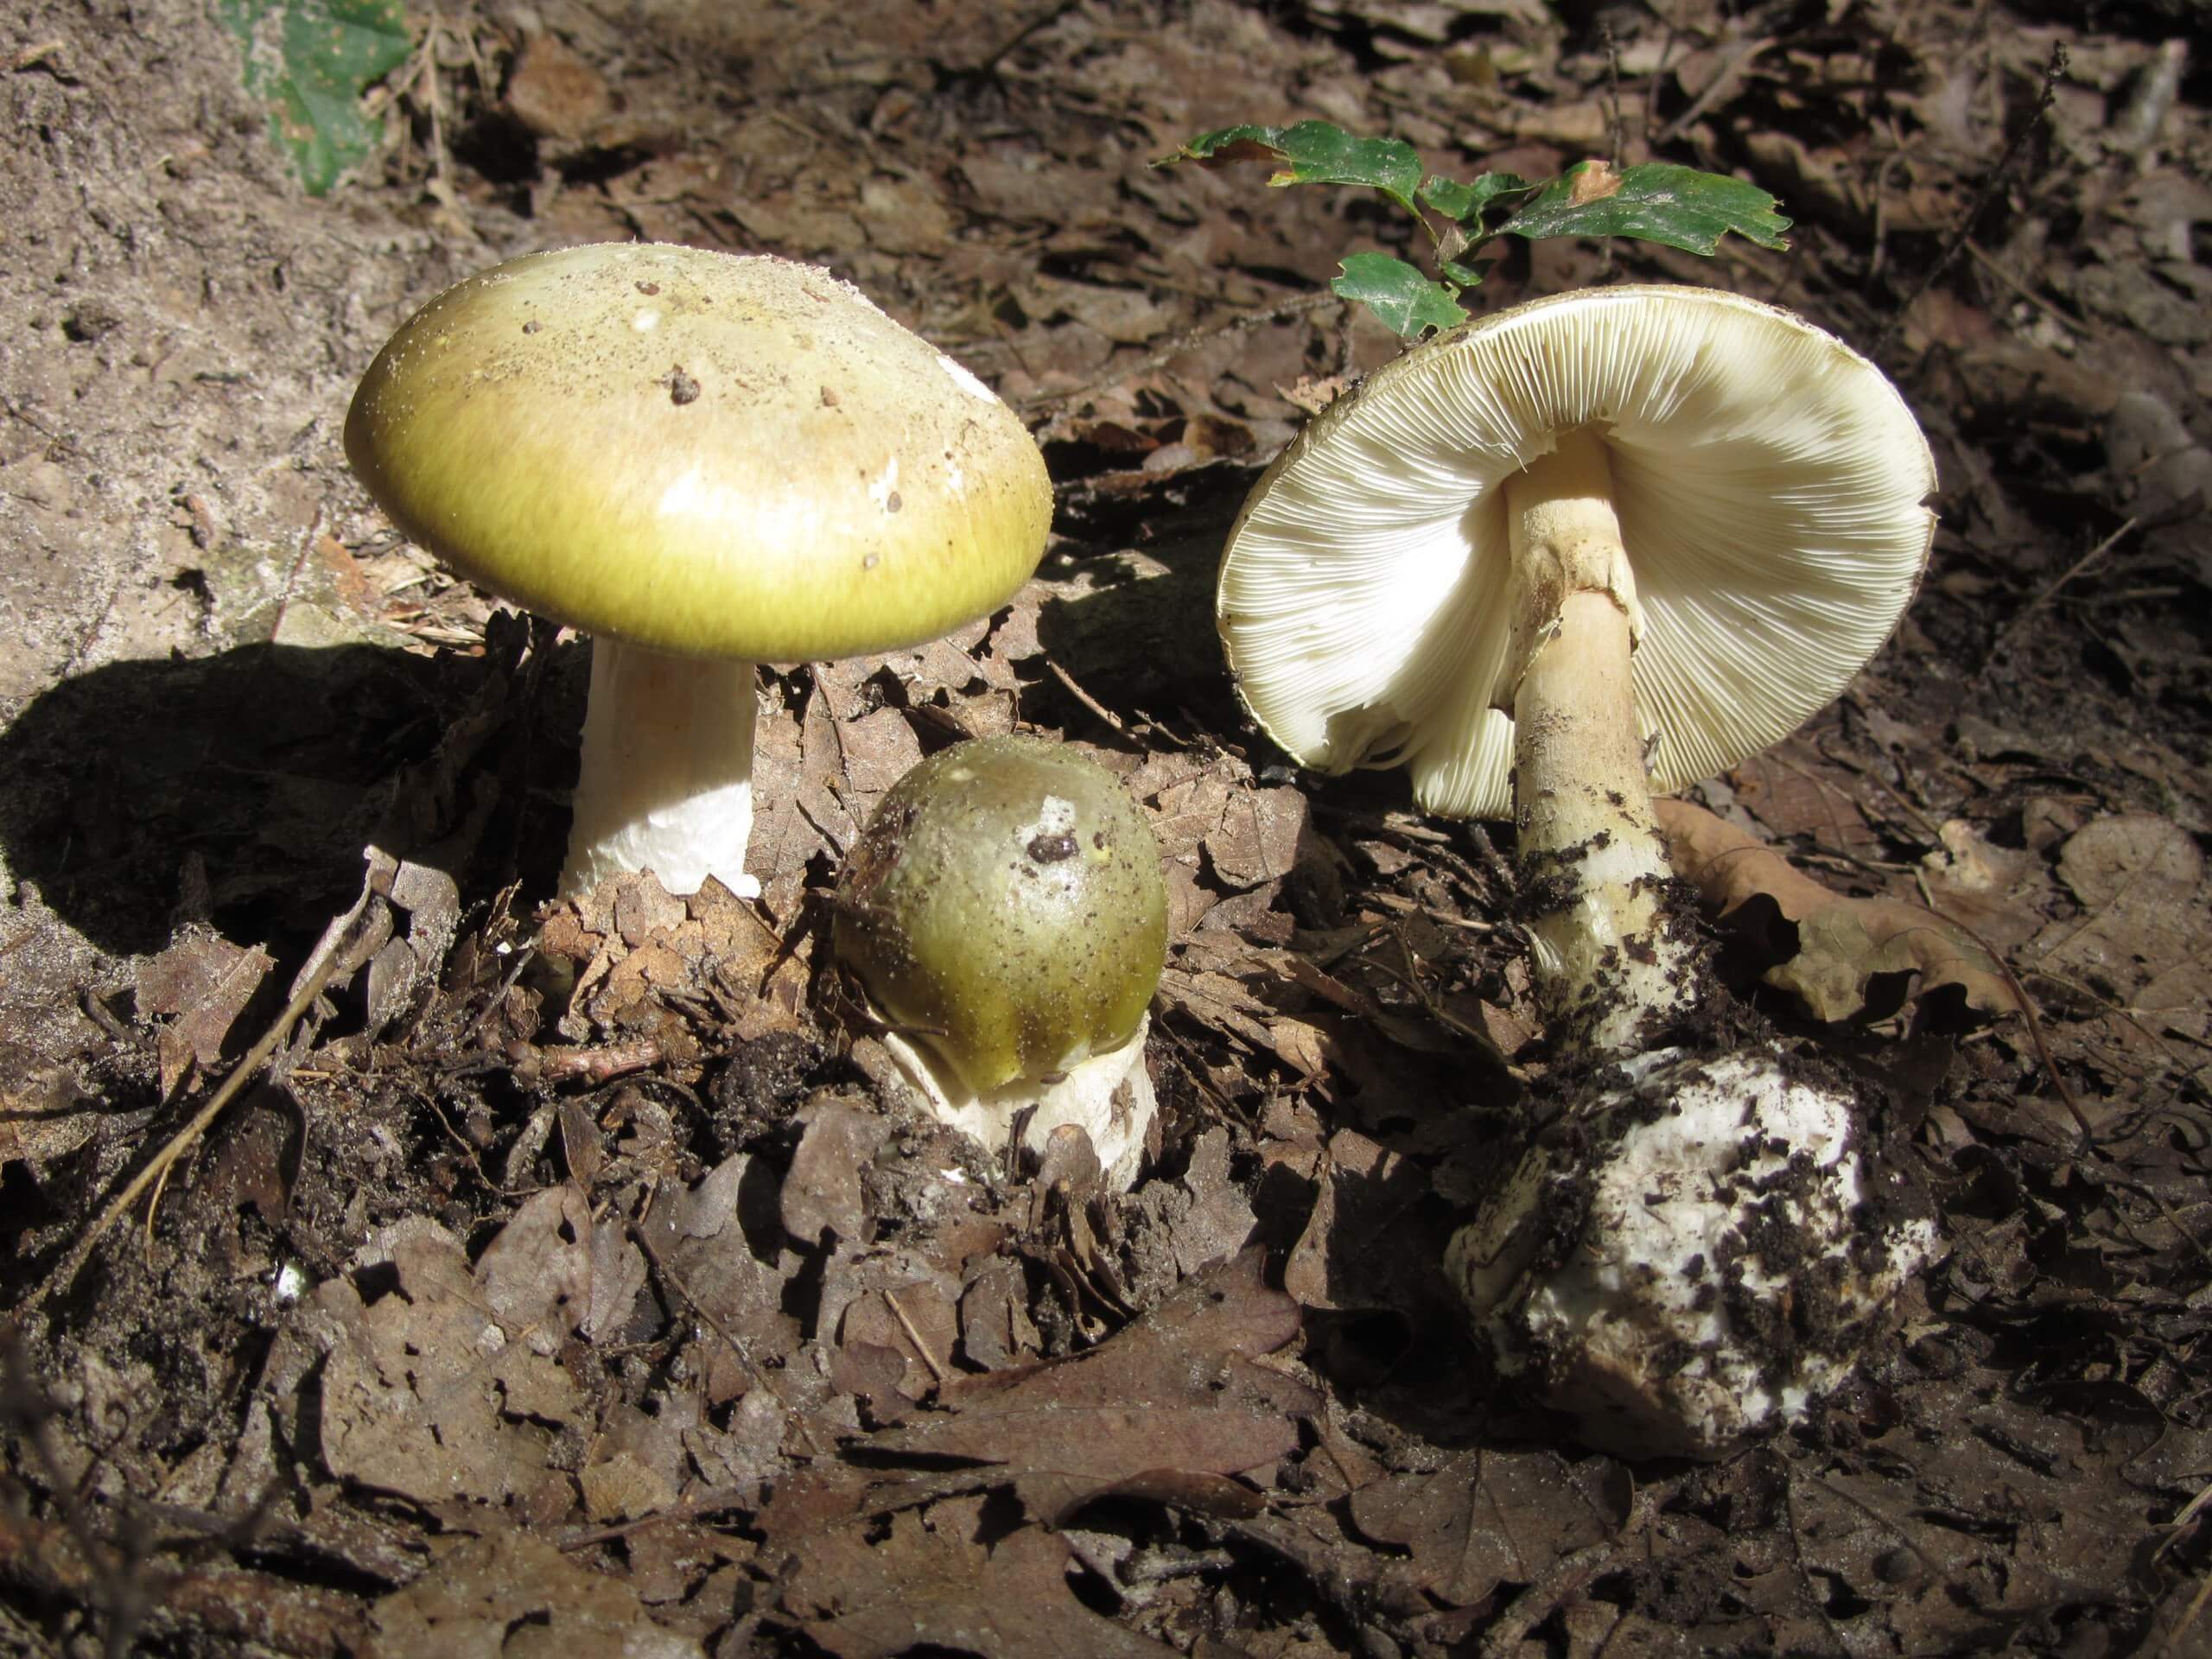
(1004, 910)
(705, 461)
(1696, 1258)
(1610, 535)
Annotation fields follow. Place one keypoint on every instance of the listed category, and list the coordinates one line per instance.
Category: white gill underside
(1363, 617)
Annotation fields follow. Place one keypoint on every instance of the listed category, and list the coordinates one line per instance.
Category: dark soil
(570, 1274)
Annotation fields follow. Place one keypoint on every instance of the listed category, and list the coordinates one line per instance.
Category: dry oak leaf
(1841, 942)
(1491, 1516)
(1168, 1408)
(508, 1595)
(933, 1582)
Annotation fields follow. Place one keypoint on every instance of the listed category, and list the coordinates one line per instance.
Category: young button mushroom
(1005, 911)
(1613, 532)
(705, 461)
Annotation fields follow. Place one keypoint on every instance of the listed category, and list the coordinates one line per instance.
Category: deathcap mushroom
(1613, 537)
(1004, 910)
(1608, 539)
(705, 461)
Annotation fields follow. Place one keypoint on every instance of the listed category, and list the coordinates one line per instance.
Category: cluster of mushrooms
(1609, 539)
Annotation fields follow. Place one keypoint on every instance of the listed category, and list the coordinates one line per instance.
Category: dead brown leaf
(1489, 1517)
(1841, 943)
(939, 1580)
(201, 983)
(511, 1596)
(1179, 1392)
(423, 1393)
(2141, 935)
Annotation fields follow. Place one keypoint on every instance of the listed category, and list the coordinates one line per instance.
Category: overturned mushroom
(1609, 534)
(705, 461)
(1621, 528)
(1005, 911)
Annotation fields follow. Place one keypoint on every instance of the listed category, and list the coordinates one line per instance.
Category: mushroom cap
(703, 452)
(1005, 903)
(1770, 486)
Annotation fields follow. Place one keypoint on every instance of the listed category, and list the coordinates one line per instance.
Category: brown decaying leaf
(939, 1580)
(513, 1596)
(424, 1392)
(1842, 942)
(2140, 937)
(1178, 1392)
(1485, 1516)
(203, 982)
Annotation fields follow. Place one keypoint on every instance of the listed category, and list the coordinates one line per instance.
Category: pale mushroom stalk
(666, 780)
(1108, 1096)
(1609, 961)
(1504, 561)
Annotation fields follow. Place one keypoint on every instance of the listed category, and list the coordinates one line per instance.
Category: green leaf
(309, 61)
(1407, 301)
(1466, 202)
(1658, 201)
(1311, 152)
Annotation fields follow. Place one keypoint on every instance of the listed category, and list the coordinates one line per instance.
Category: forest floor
(483, 1318)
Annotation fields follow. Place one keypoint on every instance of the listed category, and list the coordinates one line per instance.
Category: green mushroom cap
(1005, 904)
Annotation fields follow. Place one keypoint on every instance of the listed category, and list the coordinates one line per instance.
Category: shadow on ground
(238, 790)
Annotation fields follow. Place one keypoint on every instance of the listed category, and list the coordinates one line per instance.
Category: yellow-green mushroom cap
(1005, 904)
(701, 452)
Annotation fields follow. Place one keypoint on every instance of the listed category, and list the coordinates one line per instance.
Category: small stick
(2052, 70)
(157, 1170)
(1282, 311)
(2020, 617)
(915, 1337)
(1085, 697)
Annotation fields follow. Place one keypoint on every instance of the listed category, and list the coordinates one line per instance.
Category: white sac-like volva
(1698, 1261)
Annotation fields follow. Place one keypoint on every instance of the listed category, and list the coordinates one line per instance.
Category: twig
(914, 1336)
(292, 576)
(1085, 697)
(1721, 85)
(1998, 175)
(2020, 617)
(329, 953)
(2025, 291)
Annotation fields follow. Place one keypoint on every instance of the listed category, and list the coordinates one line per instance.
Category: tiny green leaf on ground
(309, 61)
(1657, 202)
(1406, 301)
(1312, 152)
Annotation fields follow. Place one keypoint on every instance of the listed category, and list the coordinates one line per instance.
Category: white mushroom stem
(1609, 962)
(666, 784)
(1108, 1096)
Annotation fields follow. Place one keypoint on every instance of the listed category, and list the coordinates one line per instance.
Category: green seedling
(1653, 201)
